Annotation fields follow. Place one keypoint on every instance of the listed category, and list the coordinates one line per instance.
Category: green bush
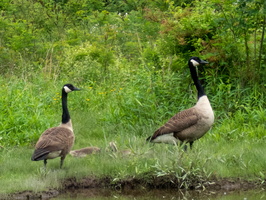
(133, 64)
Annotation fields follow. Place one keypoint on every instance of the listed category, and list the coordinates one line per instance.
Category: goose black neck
(195, 78)
(65, 114)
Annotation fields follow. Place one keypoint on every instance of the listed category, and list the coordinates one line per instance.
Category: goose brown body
(190, 124)
(57, 141)
(54, 142)
(187, 125)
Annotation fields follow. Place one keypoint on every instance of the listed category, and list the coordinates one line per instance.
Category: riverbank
(130, 185)
(223, 165)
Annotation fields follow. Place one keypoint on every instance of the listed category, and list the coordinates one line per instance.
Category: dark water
(94, 194)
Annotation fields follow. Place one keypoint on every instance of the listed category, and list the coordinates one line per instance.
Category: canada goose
(57, 141)
(190, 124)
(114, 149)
(84, 151)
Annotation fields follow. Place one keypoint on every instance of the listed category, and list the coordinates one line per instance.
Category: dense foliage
(130, 57)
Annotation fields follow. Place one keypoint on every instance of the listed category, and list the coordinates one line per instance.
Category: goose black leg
(61, 162)
(185, 147)
(190, 144)
(45, 162)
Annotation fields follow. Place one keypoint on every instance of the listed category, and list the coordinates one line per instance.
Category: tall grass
(212, 157)
(126, 107)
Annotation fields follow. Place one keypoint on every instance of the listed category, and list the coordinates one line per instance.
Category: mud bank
(163, 182)
(130, 184)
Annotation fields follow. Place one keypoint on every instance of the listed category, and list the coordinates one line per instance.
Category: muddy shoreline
(131, 184)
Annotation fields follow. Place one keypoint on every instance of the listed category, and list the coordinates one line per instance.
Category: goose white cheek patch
(194, 62)
(67, 90)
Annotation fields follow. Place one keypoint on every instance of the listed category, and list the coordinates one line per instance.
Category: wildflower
(102, 92)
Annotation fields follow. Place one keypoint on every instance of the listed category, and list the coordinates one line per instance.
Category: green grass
(127, 114)
(213, 156)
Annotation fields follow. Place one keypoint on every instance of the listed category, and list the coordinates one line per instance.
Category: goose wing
(57, 139)
(177, 123)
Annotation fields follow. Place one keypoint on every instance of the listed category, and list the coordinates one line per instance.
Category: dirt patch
(163, 182)
(32, 195)
(232, 185)
(89, 182)
(129, 184)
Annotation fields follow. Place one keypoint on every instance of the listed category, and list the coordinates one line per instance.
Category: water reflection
(102, 194)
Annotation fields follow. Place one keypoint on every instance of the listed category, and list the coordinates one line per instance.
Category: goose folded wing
(178, 123)
(52, 140)
(44, 147)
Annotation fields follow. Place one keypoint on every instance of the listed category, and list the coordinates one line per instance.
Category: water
(101, 194)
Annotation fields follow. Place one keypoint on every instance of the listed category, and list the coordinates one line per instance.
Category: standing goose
(57, 141)
(190, 124)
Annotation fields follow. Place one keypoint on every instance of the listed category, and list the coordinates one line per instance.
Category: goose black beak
(203, 62)
(76, 89)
